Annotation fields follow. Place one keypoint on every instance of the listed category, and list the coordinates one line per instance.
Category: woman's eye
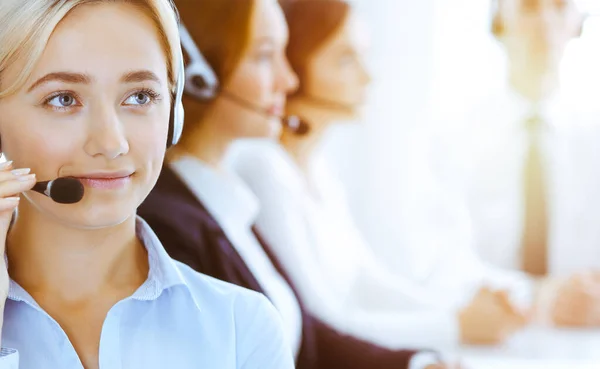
(62, 101)
(141, 98)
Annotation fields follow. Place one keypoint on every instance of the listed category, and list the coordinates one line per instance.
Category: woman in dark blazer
(204, 215)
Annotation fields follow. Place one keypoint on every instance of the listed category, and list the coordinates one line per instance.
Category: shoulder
(264, 166)
(205, 288)
(254, 316)
(258, 157)
(227, 317)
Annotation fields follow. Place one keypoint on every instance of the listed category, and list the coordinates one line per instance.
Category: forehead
(353, 33)
(269, 21)
(356, 31)
(103, 40)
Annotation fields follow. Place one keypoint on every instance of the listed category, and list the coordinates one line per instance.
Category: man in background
(525, 159)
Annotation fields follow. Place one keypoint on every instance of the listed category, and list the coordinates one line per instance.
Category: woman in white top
(305, 217)
(91, 90)
(204, 214)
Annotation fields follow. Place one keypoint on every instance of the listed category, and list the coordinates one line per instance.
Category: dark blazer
(191, 235)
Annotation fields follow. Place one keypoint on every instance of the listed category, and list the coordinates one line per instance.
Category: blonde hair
(28, 24)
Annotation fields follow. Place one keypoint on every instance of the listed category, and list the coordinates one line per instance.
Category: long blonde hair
(26, 27)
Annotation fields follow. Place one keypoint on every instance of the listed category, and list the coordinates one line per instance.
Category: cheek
(245, 123)
(147, 145)
(44, 152)
(335, 85)
(34, 138)
(253, 83)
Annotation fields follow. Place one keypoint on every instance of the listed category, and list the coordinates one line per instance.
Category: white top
(235, 208)
(310, 229)
(489, 150)
(177, 318)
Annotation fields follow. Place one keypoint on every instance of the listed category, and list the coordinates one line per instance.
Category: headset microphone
(296, 125)
(329, 104)
(292, 123)
(65, 190)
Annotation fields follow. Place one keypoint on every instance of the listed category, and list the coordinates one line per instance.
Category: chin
(268, 129)
(90, 213)
(275, 128)
(101, 217)
(352, 116)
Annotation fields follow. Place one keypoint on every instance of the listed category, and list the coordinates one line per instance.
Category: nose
(286, 77)
(106, 135)
(365, 74)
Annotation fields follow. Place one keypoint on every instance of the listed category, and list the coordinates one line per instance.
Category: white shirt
(309, 227)
(177, 318)
(235, 208)
(490, 148)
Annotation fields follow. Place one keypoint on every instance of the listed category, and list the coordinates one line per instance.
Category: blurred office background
(431, 61)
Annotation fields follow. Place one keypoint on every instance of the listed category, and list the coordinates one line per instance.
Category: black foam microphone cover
(296, 125)
(66, 190)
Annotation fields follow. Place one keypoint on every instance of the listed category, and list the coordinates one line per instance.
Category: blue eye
(141, 98)
(61, 101)
(138, 99)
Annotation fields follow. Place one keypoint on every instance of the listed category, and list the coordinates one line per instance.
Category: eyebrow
(66, 77)
(140, 76)
(78, 78)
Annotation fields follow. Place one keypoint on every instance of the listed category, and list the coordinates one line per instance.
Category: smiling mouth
(106, 181)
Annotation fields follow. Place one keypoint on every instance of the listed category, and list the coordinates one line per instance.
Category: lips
(106, 181)
(277, 110)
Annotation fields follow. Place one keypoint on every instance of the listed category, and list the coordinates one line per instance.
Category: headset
(197, 79)
(200, 82)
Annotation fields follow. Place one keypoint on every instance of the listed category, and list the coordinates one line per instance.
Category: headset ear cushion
(176, 119)
(171, 127)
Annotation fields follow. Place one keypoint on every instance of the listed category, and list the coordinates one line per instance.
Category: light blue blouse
(177, 319)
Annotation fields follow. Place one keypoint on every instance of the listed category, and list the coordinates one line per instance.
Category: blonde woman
(86, 91)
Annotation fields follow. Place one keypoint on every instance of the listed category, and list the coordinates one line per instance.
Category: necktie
(535, 230)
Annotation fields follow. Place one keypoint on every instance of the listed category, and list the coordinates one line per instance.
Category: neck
(533, 82)
(302, 148)
(48, 257)
(205, 141)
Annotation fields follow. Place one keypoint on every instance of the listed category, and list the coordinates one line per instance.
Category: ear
(497, 26)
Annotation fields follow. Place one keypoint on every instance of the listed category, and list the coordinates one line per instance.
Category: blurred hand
(490, 319)
(577, 303)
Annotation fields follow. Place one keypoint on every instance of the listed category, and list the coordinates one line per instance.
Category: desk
(539, 348)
